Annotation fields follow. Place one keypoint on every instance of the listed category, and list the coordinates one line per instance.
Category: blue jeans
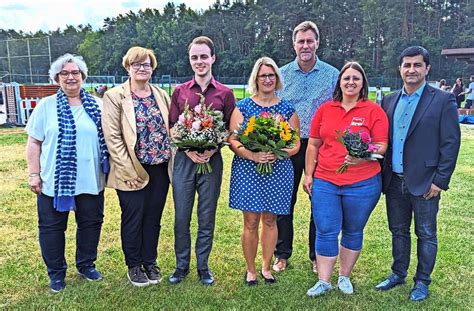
(401, 207)
(52, 226)
(345, 208)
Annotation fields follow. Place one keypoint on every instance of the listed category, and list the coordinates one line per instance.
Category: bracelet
(33, 174)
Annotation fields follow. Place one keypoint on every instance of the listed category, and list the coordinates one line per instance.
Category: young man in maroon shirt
(186, 181)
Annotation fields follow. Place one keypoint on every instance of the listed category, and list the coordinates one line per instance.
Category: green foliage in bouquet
(269, 132)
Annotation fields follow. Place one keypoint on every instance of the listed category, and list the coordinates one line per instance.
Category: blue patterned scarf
(66, 152)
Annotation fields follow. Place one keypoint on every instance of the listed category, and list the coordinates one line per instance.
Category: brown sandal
(280, 265)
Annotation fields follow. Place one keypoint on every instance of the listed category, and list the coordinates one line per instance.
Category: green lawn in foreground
(24, 283)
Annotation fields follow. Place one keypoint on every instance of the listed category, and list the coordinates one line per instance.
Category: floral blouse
(153, 146)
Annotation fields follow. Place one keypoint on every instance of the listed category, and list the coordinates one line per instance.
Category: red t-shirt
(331, 116)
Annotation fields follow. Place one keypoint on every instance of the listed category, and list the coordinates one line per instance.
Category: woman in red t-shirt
(343, 201)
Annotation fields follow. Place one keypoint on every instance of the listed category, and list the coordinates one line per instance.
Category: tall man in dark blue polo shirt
(423, 148)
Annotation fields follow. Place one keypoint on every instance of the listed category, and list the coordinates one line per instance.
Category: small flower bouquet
(269, 132)
(358, 144)
(199, 129)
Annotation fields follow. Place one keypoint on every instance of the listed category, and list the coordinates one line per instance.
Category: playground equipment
(10, 107)
(18, 101)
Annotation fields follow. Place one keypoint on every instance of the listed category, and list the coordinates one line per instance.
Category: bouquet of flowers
(199, 129)
(268, 132)
(358, 144)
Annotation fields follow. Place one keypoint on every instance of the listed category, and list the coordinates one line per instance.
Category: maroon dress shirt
(216, 93)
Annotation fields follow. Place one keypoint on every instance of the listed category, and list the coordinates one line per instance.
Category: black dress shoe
(251, 282)
(205, 277)
(177, 276)
(390, 282)
(268, 280)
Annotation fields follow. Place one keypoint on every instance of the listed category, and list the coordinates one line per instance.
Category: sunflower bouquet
(268, 132)
(199, 129)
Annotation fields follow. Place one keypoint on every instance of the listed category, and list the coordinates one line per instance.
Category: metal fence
(387, 82)
(27, 60)
(168, 82)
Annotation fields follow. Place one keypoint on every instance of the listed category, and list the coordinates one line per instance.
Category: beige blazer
(120, 132)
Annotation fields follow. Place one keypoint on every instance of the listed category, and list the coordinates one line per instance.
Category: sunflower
(285, 132)
(250, 125)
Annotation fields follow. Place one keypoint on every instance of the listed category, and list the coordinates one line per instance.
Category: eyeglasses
(137, 66)
(270, 77)
(74, 73)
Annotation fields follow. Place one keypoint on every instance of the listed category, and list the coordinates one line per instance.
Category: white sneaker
(345, 285)
(321, 287)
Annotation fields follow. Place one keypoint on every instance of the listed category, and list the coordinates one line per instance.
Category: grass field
(24, 282)
(240, 93)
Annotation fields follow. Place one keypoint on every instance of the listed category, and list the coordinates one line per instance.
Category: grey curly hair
(59, 63)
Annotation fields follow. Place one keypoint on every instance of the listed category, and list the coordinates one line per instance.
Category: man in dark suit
(423, 148)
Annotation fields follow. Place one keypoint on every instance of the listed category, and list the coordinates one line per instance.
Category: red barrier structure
(37, 91)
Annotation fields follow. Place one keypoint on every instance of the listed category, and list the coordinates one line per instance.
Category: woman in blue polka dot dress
(261, 197)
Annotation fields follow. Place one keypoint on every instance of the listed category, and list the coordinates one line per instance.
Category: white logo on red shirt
(357, 121)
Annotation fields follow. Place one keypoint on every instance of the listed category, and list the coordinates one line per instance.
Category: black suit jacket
(432, 143)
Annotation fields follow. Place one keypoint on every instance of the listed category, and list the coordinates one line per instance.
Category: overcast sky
(33, 15)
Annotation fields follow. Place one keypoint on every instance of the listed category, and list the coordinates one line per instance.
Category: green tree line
(372, 32)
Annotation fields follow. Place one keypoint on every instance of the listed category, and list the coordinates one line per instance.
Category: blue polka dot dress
(251, 191)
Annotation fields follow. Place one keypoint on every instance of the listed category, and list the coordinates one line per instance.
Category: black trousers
(284, 247)
(468, 104)
(141, 217)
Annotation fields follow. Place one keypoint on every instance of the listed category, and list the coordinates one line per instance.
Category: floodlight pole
(9, 63)
(49, 51)
(29, 59)
(49, 54)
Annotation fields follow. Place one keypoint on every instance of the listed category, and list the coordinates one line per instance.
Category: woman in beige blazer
(135, 124)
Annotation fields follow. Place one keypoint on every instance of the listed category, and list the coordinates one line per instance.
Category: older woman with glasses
(137, 133)
(67, 159)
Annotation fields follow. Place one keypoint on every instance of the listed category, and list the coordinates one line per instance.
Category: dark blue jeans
(401, 207)
(141, 217)
(186, 182)
(52, 226)
(345, 208)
